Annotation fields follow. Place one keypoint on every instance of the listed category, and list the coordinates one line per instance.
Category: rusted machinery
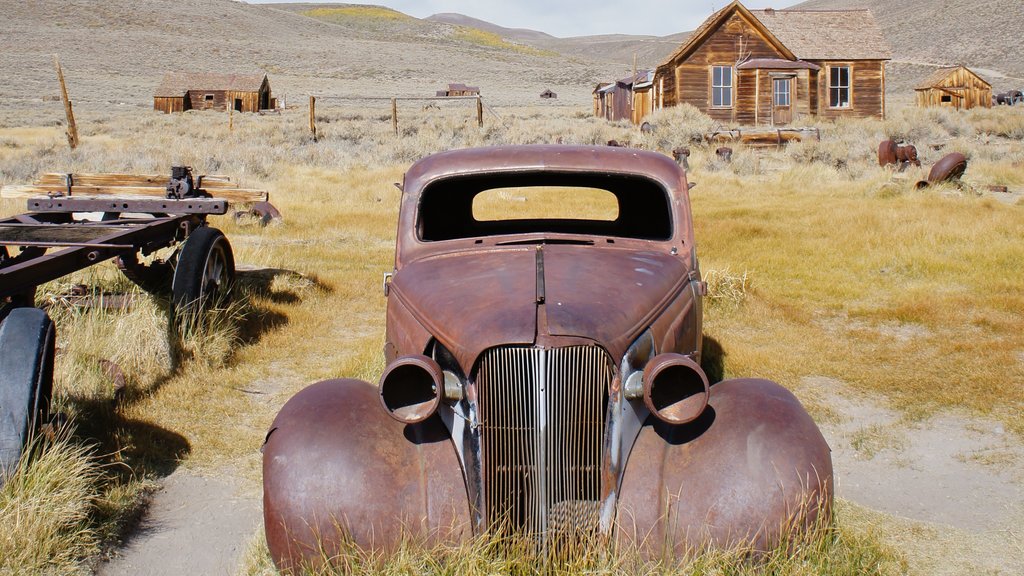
(892, 154)
(76, 221)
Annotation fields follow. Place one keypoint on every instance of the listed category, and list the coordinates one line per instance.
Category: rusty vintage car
(543, 374)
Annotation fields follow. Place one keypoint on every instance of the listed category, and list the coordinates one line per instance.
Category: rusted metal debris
(950, 168)
(1009, 98)
(262, 212)
(892, 154)
(543, 376)
(682, 157)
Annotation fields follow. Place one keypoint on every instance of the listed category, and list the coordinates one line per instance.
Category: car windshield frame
(445, 208)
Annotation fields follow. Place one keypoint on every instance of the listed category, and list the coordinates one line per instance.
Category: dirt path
(194, 525)
(949, 492)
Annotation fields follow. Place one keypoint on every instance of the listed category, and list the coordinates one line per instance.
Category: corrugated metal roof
(827, 34)
(176, 84)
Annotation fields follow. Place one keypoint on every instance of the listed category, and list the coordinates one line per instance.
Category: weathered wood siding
(867, 89)
(168, 105)
(691, 78)
(240, 101)
(963, 90)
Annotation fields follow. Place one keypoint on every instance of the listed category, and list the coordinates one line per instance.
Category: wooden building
(194, 91)
(956, 87)
(548, 94)
(627, 99)
(459, 90)
(772, 67)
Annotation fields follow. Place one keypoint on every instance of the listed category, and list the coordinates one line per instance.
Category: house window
(782, 91)
(839, 87)
(946, 98)
(208, 97)
(721, 86)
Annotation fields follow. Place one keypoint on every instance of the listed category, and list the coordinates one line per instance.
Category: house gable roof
(802, 34)
(712, 24)
(177, 84)
(934, 80)
(828, 34)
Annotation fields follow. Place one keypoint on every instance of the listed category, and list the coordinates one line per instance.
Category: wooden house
(190, 91)
(627, 99)
(956, 87)
(459, 90)
(548, 94)
(772, 67)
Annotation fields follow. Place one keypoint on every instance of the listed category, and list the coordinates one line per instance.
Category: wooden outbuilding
(629, 98)
(957, 87)
(548, 94)
(772, 67)
(201, 91)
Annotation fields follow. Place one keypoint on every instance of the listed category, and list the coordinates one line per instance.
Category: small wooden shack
(201, 91)
(628, 98)
(459, 90)
(548, 94)
(957, 87)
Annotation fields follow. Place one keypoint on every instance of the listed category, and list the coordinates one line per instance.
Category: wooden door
(782, 101)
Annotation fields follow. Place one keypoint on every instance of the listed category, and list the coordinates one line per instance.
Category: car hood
(472, 301)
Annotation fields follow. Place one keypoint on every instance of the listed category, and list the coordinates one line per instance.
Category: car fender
(337, 470)
(751, 465)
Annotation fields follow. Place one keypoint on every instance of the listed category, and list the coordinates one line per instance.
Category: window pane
(844, 77)
(716, 76)
(727, 76)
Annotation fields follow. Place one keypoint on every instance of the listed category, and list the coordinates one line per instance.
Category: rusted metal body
(542, 375)
(892, 154)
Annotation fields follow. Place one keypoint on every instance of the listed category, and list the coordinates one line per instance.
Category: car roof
(543, 157)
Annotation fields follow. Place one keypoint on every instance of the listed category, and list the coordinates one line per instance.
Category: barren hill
(985, 35)
(117, 51)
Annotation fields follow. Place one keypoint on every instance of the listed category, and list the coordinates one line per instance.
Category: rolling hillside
(116, 51)
(985, 35)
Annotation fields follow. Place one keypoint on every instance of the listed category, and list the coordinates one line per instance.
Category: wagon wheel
(26, 381)
(203, 277)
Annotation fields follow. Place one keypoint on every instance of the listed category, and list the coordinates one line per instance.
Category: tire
(26, 381)
(203, 277)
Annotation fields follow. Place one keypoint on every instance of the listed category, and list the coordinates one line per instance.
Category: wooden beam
(72, 131)
(312, 116)
(394, 115)
(479, 112)
(154, 180)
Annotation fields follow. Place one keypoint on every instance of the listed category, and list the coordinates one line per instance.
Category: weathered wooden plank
(156, 180)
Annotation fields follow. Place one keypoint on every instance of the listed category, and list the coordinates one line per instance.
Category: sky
(576, 17)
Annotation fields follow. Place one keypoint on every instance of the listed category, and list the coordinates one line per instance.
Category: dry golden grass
(822, 550)
(847, 271)
(47, 507)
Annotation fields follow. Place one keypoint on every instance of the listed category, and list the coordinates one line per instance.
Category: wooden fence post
(72, 132)
(479, 111)
(394, 115)
(312, 116)
(231, 116)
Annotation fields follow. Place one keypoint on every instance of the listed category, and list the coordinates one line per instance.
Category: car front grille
(542, 418)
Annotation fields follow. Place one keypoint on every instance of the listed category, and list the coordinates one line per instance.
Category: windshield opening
(623, 206)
